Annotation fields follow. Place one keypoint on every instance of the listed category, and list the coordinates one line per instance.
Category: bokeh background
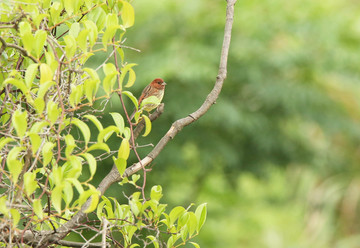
(277, 158)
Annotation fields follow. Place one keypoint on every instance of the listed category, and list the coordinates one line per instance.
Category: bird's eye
(159, 82)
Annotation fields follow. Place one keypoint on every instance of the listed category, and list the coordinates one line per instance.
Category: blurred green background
(277, 158)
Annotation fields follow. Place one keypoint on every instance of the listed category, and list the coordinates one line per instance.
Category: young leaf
(30, 183)
(91, 161)
(132, 78)
(132, 98)
(40, 38)
(120, 165)
(38, 208)
(105, 134)
(124, 149)
(156, 193)
(15, 216)
(19, 121)
(94, 120)
(175, 213)
(195, 244)
(127, 15)
(18, 84)
(83, 128)
(52, 111)
(30, 74)
(13, 163)
(47, 152)
(4, 141)
(70, 47)
(56, 196)
(46, 74)
(99, 146)
(153, 241)
(109, 82)
(147, 125)
(119, 121)
(200, 213)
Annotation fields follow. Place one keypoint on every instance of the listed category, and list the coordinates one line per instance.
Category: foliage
(291, 100)
(49, 97)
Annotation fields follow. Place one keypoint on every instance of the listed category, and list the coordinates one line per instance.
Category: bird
(155, 88)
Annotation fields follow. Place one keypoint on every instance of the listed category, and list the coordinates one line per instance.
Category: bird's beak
(163, 83)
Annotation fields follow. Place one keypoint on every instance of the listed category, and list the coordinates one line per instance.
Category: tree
(48, 98)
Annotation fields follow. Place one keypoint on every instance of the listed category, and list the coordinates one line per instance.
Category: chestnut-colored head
(158, 83)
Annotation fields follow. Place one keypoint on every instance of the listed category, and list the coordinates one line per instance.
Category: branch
(21, 50)
(175, 128)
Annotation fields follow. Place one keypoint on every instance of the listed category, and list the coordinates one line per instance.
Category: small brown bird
(155, 88)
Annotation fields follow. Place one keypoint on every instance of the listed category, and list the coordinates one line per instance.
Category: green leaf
(43, 89)
(200, 213)
(147, 125)
(75, 29)
(83, 128)
(30, 74)
(91, 87)
(52, 111)
(68, 193)
(109, 82)
(40, 38)
(38, 208)
(127, 133)
(172, 240)
(132, 98)
(56, 196)
(26, 36)
(156, 193)
(94, 120)
(4, 141)
(74, 165)
(99, 146)
(192, 223)
(70, 47)
(120, 164)
(132, 78)
(93, 31)
(127, 15)
(70, 145)
(39, 105)
(69, 6)
(30, 183)
(150, 100)
(94, 194)
(109, 68)
(111, 20)
(105, 134)
(91, 161)
(124, 150)
(119, 121)
(175, 213)
(195, 244)
(46, 74)
(3, 209)
(19, 121)
(76, 94)
(47, 152)
(124, 71)
(108, 35)
(14, 164)
(35, 141)
(15, 216)
(81, 39)
(92, 73)
(18, 84)
(153, 241)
